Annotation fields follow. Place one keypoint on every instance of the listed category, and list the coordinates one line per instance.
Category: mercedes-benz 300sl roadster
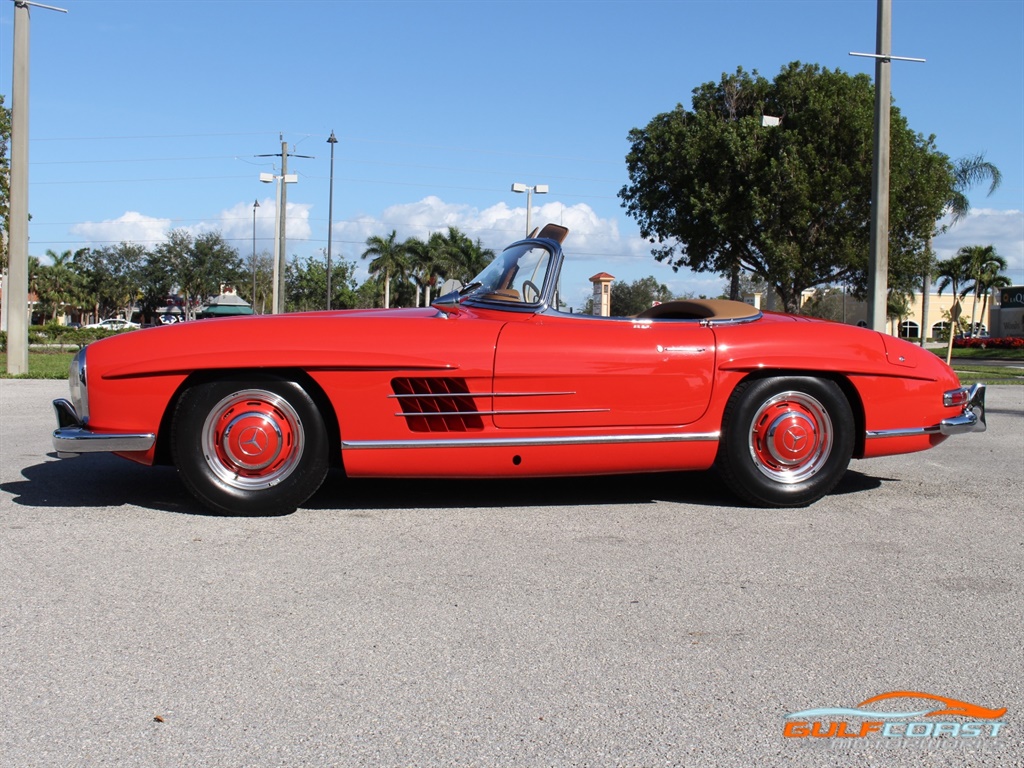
(494, 381)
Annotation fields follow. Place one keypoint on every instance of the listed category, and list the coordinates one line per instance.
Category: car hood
(345, 339)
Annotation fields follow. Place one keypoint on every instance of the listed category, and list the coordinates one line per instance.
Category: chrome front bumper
(72, 437)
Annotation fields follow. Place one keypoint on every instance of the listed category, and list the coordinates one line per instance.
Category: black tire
(249, 446)
(786, 441)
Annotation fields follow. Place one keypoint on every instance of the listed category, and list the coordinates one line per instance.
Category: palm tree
(954, 272)
(966, 172)
(58, 281)
(897, 307)
(430, 259)
(470, 258)
(984, 266)
(35, 275)
(390, 259)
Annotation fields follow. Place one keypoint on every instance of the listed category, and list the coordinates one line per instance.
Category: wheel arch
(249, 376)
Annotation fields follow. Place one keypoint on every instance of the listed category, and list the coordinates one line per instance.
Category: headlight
(76, 380)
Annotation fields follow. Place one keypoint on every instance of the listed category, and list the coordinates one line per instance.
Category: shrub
(1001, 342)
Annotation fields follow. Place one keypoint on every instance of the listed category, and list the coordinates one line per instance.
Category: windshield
(517, 274)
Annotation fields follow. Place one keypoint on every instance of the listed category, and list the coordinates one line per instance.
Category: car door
(564, 371)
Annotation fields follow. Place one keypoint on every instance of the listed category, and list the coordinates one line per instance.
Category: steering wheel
(529, 286)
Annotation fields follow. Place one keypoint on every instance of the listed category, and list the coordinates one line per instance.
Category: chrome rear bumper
(970, 419)
(72, 437)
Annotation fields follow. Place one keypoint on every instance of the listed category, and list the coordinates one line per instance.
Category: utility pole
(332, 140)
(16, 284)
(878, 266)
(280, 249)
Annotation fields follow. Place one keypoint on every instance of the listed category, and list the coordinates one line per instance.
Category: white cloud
(131, 227)
(594, 244)
(986, 226)
(236, 226)
(234, 223)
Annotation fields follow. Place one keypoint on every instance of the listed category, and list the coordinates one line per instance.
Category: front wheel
(786, 441)
(254, 447)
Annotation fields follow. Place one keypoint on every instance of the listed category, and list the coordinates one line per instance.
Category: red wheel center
(252, 441)
(793, 439)
(785, 437)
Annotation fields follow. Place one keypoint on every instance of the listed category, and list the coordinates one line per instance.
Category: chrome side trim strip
(479, 394)
(875, 434)
(502, 413)
(515, 442)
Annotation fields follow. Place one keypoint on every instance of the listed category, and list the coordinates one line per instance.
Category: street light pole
(540, 189)
(255, 205)
(277, 294)
(280, 222)
(878, 266)
(332, 140)
(16, 284)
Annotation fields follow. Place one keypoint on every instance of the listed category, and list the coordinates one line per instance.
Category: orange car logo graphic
(953, 706)
(878, 717)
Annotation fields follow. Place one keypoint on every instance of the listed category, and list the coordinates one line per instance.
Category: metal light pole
(280, 222)
(540, 189)
(878, 267)
(16, 284)
(332, 140)
(277, 294)
(255, 205)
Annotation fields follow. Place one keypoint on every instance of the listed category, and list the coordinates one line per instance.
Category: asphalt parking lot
(637, 621)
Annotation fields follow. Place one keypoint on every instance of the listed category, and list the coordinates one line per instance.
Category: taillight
(956, 398)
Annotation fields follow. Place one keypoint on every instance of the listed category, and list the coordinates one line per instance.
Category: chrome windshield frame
(483, 295)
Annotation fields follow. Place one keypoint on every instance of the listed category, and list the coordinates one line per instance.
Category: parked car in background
(114, 324)
(493, 380)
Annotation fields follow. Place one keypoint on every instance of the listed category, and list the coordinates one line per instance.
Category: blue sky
(148, 115)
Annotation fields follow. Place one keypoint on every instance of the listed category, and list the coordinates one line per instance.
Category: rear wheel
(249, 447)
(786, 441)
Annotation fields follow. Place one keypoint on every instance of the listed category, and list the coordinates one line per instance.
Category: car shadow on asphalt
(101, 480)
(702, 489)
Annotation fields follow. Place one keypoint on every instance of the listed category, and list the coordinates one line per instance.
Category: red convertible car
(493, 381)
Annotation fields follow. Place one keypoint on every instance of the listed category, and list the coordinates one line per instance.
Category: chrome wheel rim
(790, 437)
(253, 439)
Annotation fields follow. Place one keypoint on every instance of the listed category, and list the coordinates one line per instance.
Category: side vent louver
(437, 405)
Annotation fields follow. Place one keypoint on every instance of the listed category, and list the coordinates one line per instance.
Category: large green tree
(717, 189)
(306, 284)
(633, 298)
(199, 265)
(111, 278)
(260, 265)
